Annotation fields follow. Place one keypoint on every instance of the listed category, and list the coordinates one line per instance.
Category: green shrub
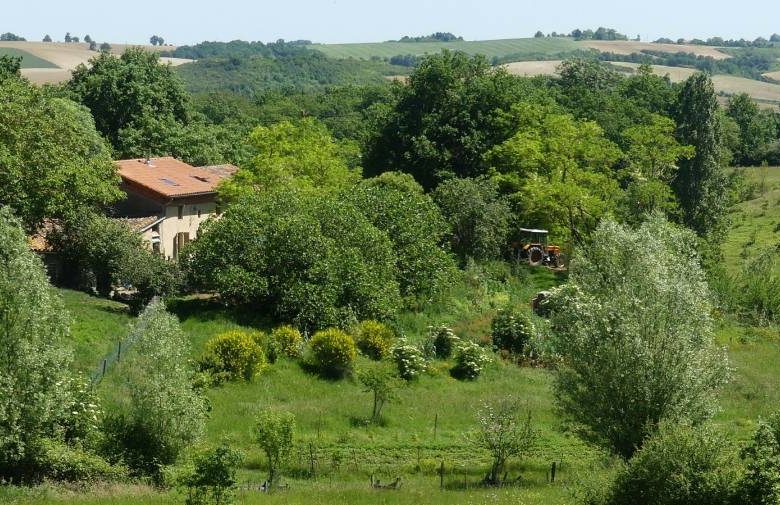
(444, 341)
(761, 482)
(287, 341)
(511, 330)
(274, 432)
(680, 465)
(332, 352)
(470, 359)
(235, 354)
(374, 339)
(409, 360)
(57, 461)
(213, 479)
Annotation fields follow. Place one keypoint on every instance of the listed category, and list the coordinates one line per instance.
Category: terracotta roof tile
(169, 177)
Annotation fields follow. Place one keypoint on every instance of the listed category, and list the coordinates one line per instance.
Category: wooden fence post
(441, 475)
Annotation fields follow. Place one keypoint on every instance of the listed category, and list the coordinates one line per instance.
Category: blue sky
(186, 22)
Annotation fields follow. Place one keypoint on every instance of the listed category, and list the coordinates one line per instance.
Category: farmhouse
(167, 200)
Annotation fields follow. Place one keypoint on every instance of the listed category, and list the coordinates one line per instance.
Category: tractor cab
(534, 248)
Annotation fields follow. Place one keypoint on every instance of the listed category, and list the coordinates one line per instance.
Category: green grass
(755, 223)
(347, 452)
(489, 48)
(96, 327)
(28, 60)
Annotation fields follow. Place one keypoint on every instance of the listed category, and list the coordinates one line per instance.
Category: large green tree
(53, 162)
(701, 182)
(396, 204)
(445, 118)
(306, 256)
(303, 155)
(634, 327)
(124, 91)
(757, 129)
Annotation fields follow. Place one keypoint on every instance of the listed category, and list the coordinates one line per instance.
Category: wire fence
(118, 352)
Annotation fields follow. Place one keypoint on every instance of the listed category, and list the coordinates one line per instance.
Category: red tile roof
(170, 178)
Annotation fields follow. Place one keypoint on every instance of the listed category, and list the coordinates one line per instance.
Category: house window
(181, 211)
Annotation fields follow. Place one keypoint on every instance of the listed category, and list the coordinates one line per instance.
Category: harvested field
(52, 62)
(532, 68)
(629, 47)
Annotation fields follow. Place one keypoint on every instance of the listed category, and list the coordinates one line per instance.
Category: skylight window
(169, 182)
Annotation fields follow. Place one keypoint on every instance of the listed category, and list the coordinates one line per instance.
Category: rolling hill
(50, 62)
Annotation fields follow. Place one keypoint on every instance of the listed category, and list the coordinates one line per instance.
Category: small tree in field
(159, 413)
(274, 432)
(214, 477)
(505, 432)
(382, 384)
(633, 326)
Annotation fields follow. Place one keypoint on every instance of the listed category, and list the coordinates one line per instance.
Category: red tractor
(533, 247)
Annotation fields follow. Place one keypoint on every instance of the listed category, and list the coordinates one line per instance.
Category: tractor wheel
(535, 256)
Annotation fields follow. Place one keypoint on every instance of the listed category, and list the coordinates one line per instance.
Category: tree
(701, 182)
(756, 129)
(47, 38)
(53, 163)
(122, 92)
(68, 38)
(11, 37)
(761, 482)
(93, 45)
(34, 363)
(320, 263)
(478, 216)
(504, 432)
(213, 479)
(158, 412)
(105, 47)
(88, 39)
(396, 204)
(444, 119)
(303, 154)
(274, 432)
(681, 465)
(101, 253)
(558, 170)
(382, 384)
(538, 34)
(10, 66)
(633, 326)
(652, 156)
(75, 40)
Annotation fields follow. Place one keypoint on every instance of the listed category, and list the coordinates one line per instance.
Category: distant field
(773, 75)
(489, 48)
(767, 94)
(28, 60)
(51, 62)
(629, 46)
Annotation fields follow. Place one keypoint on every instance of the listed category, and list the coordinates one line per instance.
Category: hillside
(50, 62)
(532, 48)
(767, 94)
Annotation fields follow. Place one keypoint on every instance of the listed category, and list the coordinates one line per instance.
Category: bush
(505, 432)
(511, 330)
(409, 360)
(444, 341)
(287, 341)
(332, 352)
(680, 465)
(57, 461)
(469, 361)
(374, 339)
(761, 483)
(235, 354)
(214, 477)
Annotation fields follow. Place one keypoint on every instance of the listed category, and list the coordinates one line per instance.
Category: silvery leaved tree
(35, 384)
(634, 329)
